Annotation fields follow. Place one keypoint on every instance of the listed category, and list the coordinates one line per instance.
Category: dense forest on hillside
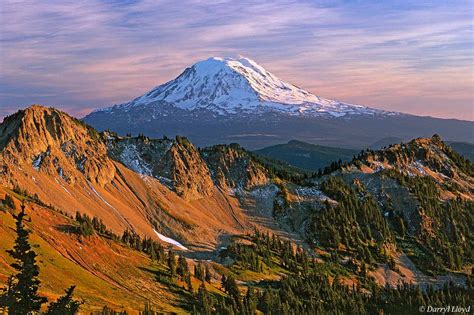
(310, 287)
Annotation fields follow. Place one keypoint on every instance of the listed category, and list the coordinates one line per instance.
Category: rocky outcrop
(190, 174)
(429, 157)
(233, 167)
(176, 163)
(53, 142)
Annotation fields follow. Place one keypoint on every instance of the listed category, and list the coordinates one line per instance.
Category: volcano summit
(222, 100)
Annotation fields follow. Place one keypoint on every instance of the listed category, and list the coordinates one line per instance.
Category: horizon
(77, 57)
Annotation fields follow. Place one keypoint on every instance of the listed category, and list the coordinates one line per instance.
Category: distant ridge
(307, 156)
(463, 148)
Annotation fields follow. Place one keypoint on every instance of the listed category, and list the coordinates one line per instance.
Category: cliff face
(232, 167)
(190, 174)
(176, 163)
(56, 144)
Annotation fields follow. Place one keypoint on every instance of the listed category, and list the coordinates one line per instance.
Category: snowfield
(170, 240)
(232, 86)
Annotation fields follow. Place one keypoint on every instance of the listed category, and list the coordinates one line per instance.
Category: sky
(410, 56)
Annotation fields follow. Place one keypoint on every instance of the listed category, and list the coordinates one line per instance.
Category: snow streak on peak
(240, 85)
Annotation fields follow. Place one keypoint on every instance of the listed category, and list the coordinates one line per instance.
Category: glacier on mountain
(232, 86)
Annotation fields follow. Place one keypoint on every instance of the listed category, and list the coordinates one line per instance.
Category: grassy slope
(305, 155)
(105, 272)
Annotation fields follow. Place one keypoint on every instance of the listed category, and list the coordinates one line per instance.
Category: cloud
(78, 55)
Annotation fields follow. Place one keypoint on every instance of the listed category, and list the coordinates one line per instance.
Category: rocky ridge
(52, 142)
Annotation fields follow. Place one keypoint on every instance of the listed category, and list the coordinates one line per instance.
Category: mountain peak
(227, 61)
(239, 63)
(225, 85)
(50, 141)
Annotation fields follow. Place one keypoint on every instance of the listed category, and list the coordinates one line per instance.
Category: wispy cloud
(410, 56)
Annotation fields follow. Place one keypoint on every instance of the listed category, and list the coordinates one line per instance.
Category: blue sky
(409, 56)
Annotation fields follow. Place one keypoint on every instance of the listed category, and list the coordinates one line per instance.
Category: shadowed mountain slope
(307, 156)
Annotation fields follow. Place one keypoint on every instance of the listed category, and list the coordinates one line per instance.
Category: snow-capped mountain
(231, 86)
(224, 100)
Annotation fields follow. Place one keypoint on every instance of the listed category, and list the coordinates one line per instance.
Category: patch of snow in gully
(170, 240)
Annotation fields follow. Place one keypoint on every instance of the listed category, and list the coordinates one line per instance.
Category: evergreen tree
(188, 282)
(153, 254)
(148, 310)
(231, 287)
(108, 311)
(250, 301)
(182, 268)
(203, 300)
(21, 295)
(172, 263)
(8, 202)
(199, 272)
(65, 305)
(208, 274)
(223, 282)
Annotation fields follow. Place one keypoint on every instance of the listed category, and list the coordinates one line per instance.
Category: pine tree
(203, 300)
(182, 268)
(172, 263)
(188, 282)
(208, 275)
(199, 272)
(65, 305)
(232, 288)
(8, 202)
(148, 310)
(223, 283)
(266, 302)
(153, 254)
(250, 301)
(21, 296)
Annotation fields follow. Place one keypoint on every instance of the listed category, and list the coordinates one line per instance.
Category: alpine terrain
(158, 225)
(224, 100)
